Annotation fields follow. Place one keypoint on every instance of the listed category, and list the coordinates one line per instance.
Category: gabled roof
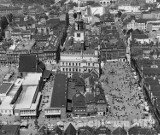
(103, 130)
(100, 97)
(119, 131)
(141, 131)
(90, 98)
(78, 100)
(56, 130)
(85, 131)
(78, 80)
(70, 130)
(27, 63)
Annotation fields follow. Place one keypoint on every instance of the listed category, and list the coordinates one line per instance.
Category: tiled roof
(40, 37)
(71, 90)
(90, 98)
(56, 130)
(102, 130)
(119, 131)
(151, 71)
(9, 129)
(100, 97)
(4, 87)
(78, 100)
(142, 131)
(85, 131)
(70, 130)
(27, 63)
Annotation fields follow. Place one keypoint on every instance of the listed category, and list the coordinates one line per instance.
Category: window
(78, 34)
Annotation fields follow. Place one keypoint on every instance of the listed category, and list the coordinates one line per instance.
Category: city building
(85, 130)
(77, 54)
(78, 104)
(11, 10)
(90, 103)
(102, 130)
(29, 99)
(8, 99)
(57, 105)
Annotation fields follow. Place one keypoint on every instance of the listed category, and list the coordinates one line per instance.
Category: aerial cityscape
(79, 67)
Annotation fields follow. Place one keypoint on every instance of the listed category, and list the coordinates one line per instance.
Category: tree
(4, 23)
(10, 17)
(119, 14)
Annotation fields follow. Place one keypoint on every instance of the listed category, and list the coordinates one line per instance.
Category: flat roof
(25, 99)
(59, 91)
(6, 103)
(32, 79)
(16, 86)
(4, 87)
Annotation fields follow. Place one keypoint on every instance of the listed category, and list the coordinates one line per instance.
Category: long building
(10, 95)
(29, 99)
(57, 105)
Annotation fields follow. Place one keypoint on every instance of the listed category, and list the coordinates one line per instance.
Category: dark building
(58, 103)
(119, 131)
(102, 131)
(90, 103)
(78, 104)
(70, 130)
(10, 130)
(85, 131)
(56, 131)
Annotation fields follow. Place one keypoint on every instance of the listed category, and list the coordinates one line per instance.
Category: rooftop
(25, 99)
(10, 129)
(59, 94)
(32, 79)
(5, 87)
(27, 63)
(27, 45)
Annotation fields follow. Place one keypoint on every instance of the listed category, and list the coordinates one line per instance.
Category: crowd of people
(124, 95)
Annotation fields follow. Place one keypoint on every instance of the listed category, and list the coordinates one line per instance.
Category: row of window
(75, 70)
(27, 111)
(80, 110)
(53, 111)
(75, 64)
(6, 111)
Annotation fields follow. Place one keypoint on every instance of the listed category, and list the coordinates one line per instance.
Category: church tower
(79, 27)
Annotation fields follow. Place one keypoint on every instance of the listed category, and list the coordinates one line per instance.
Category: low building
(4, 89)
(70, 130)
(101, 104)
(102, 130)
(78, 104)
(58, 102)
(90, 103)
(7, 103)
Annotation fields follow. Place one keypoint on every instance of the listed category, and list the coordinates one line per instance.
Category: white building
(151, 1)
(7, 103)
(29, 99)
(99, 10)
(75, 62)
(129, 8)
